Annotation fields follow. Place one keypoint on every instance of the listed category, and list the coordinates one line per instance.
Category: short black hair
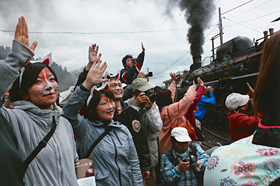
(90, 111)
(125, 58)
(29, 78)
(180, 92)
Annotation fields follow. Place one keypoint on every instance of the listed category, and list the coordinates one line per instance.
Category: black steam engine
(237, 62)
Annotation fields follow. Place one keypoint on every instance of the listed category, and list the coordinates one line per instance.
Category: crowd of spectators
(140, 135)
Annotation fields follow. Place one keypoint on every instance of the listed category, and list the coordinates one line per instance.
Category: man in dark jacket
(130, 118)
(132, 67)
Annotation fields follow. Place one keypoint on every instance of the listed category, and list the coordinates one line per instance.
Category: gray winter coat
(115, 158)
(54, 165)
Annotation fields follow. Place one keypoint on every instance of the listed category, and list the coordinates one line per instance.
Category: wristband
(83, 88)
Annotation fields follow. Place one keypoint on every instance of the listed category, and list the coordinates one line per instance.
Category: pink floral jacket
(243, 163)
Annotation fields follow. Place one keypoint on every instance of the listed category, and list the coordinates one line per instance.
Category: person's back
(11, 170)
(241, 125)
(202, 105)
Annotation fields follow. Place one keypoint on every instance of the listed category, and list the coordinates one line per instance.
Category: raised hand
(94, 76)
(21, 34)
(143, 48)
(251, 90)
(93, 55)
(200, 82)
(174, 78)
(141, 75)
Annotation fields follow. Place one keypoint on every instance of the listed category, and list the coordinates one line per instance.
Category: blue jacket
(114, 158)
(202, 106)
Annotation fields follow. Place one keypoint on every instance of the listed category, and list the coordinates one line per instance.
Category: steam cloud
(198, 14)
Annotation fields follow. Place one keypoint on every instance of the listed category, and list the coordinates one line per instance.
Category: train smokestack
(271, 31)
(265, 33)
(196, 62)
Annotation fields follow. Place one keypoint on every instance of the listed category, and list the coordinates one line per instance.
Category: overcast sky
(119, 27)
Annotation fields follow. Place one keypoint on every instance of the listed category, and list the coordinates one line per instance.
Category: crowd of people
(134, 136)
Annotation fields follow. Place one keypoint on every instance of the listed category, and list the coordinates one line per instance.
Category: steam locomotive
(237, 62)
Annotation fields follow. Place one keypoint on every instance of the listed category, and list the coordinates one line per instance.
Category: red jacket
(242, 125)
(190, 114)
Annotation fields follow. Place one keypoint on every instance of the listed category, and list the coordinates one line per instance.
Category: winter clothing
(243, 163)
(190, 114)
(151, 122)
(267, 133)
(114, 158)
(11, 170)
(202, 106)
(241, 125)
(172, 175)
(172, 115)
(54, 165)
(128, 75)
(130, 118)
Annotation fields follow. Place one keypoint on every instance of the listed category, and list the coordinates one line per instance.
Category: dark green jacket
(11, 165)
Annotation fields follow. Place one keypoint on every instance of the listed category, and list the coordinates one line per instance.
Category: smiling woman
(35, 115)
(114, 158)
(38, 84)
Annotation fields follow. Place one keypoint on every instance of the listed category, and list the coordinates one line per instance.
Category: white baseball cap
(180, 134)
(235, 100)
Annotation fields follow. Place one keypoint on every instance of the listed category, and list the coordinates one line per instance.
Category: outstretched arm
(76, 101)
(20, 55)
(93, 56)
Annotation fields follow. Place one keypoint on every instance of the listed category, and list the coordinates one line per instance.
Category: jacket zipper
(116, 153)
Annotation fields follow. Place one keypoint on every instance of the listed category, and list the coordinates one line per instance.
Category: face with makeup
(105, 108)
(44, 92)
(116, 88)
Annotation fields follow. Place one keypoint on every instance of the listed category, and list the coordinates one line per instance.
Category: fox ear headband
(108, 76)
(47, 60)
(105, 85)
(94, 89)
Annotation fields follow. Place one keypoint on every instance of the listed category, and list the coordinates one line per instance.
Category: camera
(150, 95)
(194, 165)
(186, 160)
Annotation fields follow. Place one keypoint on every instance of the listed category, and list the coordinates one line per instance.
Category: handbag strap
(107, 130)
(40, 146)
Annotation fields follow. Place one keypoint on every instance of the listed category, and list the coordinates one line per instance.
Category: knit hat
(180, 134)
(141, 84)
(235, 100)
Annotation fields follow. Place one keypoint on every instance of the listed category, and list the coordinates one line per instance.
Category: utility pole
(220, 26)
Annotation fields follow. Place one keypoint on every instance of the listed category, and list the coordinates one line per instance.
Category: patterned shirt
(172, 174)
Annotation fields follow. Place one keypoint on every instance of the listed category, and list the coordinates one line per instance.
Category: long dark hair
(163, 98)
(29, 78)
(90, 110)
(267, 88)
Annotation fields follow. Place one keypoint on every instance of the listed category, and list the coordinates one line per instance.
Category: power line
(254, 18)
(183, 55)
(237, 7)
(255, 7)
(243, 25)
(242, 21)
(94, 33)
(173, 63)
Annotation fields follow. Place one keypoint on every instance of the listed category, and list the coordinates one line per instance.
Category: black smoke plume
(198, 14)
